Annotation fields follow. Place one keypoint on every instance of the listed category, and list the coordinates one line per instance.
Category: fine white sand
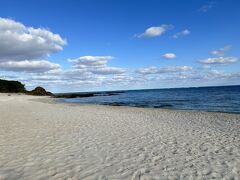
(40, 139)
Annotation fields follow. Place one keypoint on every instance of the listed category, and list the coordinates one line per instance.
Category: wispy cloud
(219, 60)
(221, 51)
(213, 74)
(185, 32)
(206, 7)
(169, 56)
(155, 31)
(158, 70)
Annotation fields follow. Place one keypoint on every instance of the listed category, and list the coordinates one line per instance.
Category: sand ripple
(56, 141)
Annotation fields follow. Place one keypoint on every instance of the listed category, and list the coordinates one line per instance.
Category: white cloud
(91, 60)
(219, 60)
(182, 33)
(157, 70)
(29, 66)
(221, 51)
(96, 65)
(155, 31)
(169, 56)
(19, 42)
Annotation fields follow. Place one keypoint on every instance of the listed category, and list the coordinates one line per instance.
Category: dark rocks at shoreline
(73, 95)
(90, 94)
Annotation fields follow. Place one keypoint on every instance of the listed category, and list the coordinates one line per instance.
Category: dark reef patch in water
(86, 94)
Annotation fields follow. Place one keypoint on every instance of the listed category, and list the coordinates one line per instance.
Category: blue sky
(108, 44)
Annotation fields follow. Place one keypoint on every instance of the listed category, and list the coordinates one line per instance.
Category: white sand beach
(40, 139)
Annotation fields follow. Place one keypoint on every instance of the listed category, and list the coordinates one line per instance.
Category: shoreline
(152, 108)
(215, 99)
(43, 139)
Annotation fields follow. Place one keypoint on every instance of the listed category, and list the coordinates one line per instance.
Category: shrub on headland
(17, 87)
(11, 87)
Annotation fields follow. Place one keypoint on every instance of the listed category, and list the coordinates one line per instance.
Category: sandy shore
(42, 140)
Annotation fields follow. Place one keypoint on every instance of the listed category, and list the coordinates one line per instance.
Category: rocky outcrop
(39, 91)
